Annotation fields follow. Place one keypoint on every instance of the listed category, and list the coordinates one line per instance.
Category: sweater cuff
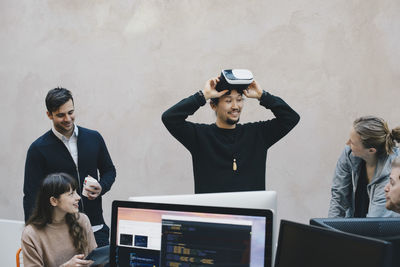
(200, 99)
(266, 99)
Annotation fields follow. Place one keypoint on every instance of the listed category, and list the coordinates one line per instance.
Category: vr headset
(234, 79)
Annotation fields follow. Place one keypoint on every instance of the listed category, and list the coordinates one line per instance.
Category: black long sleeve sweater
(215, 149)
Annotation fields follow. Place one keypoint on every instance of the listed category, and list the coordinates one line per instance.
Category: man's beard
(393, 207)
(232, 122)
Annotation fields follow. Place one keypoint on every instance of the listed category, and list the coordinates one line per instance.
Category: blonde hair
(375, 133)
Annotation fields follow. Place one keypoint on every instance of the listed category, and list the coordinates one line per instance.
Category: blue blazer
(48, 154)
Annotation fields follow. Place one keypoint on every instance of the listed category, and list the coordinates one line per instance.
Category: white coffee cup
(89, 181)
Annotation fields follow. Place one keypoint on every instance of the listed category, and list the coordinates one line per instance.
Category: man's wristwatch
(264, 94)
(201, 94)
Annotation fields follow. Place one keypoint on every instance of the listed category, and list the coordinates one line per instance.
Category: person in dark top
(74, 150)
(228, 156)
(363, 170)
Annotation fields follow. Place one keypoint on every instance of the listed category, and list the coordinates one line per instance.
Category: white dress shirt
(70, 143)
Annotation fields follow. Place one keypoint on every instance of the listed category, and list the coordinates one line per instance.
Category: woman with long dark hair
(56, 234)
(363, 170)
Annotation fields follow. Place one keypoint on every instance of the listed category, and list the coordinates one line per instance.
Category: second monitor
(386, 228)
(311, 246)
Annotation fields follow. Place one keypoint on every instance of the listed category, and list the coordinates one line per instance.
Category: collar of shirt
(62, 137)
(70, 143)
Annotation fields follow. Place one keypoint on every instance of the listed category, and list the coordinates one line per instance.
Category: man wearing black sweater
(227, 156)
(75, 150)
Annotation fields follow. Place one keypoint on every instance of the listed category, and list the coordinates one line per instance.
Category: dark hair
(216, 100)
(55, 185)
(57, 97)
(375, 133)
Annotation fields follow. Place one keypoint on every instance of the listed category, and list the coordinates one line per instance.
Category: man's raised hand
(253, 91)
(209, 89)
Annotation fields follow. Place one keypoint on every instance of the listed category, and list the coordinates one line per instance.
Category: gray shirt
(344, 184)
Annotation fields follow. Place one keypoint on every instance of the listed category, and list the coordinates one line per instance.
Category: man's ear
(54, 201)
(49, 115)
(372, 150)
(213, 106)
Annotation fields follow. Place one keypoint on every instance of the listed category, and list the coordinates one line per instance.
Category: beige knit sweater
(52, 246)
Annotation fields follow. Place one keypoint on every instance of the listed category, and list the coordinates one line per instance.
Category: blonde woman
(363, 170)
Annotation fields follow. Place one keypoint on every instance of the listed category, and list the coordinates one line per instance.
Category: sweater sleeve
(34, 173)
(106, 168)
(175, 121)
(31, 252)
(341, 190)
(285, 118)
(91, 241)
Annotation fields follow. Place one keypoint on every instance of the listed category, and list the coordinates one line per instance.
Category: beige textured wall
(128, 61)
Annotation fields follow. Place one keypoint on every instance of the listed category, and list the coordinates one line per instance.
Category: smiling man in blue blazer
(75, 150)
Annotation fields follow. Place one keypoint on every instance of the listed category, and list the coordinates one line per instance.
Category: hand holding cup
(91, 188)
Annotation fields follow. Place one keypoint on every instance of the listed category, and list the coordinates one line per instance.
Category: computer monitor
(381, 228)
(154, 234)
(246, 199)
(312, 246)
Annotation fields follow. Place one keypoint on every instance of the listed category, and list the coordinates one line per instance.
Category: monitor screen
(153, 234)
(246, 199)
(313, 246)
